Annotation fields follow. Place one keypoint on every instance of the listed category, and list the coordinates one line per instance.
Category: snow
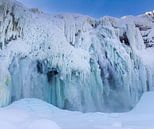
(37, 114)
(146, 57)
(145, 106)
(42, 123)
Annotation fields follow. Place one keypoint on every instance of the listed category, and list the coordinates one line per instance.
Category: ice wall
(73, 61)
(123, 73)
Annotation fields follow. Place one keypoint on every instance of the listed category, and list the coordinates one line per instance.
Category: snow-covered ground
(37, 114)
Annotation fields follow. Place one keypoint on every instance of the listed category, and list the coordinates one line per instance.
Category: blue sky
(95, 8)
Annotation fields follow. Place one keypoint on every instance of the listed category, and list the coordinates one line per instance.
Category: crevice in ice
(143, 28)
(124, 39)
(39, 67)
(51, 74)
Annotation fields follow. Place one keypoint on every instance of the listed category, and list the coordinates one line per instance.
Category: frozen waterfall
(73, 61)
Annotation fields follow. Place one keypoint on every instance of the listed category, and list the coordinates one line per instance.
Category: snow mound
(37, 114)
(43, 124)
(32, 103)
(145, 104)
(7, 125)
(28, 114)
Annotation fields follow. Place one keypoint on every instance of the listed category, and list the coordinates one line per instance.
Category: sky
(94, 8)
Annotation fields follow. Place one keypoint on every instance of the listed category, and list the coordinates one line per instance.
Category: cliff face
(73, 61)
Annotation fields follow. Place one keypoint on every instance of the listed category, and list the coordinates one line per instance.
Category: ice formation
(73, 61)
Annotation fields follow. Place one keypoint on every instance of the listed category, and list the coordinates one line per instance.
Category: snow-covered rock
(73, 61)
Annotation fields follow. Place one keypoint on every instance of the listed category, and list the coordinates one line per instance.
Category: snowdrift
(37, 114)
(145, 104)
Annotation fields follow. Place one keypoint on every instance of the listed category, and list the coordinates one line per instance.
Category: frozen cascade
(31, 78)
(73, 61)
